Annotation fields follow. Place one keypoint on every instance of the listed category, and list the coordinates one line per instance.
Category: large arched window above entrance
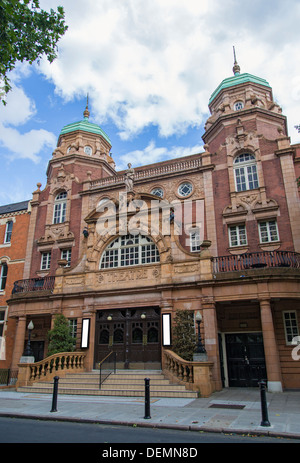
(245, 172)
(129, 250)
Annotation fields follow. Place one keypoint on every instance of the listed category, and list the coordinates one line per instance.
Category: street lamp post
(200, 354)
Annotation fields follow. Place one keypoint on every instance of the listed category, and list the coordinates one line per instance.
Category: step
(124, 383)
(111, 392)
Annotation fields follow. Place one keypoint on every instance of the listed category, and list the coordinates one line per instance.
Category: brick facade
(243, 278)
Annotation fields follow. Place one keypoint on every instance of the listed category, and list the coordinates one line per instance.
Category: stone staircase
(123, 383)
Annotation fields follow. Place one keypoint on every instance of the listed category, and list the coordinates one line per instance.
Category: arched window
(129, 250)
(60, 206)
(245, 172)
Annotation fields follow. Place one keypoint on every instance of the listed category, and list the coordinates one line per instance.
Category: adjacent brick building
(98, 251)
(14, 221)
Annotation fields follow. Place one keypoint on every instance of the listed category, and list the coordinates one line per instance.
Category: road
(19, 430)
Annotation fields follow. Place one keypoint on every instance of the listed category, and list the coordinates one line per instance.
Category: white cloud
(156, 62)
(18, 111)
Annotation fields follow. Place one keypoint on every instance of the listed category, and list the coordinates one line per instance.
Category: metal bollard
(147, 399)
(264, 409)
(54, 397)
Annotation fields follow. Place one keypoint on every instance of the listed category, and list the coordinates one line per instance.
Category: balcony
(256, 260)
(33, 285)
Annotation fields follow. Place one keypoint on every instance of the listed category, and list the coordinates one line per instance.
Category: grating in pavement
(232, 406)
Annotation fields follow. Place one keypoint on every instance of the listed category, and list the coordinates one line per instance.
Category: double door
(245, 359)
(133, 334)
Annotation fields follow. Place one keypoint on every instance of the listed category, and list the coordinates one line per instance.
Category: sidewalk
(234, 410)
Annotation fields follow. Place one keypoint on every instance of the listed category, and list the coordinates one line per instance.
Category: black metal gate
(245, 359)
(134, 334)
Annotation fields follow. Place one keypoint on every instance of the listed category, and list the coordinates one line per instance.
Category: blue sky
(149, 67)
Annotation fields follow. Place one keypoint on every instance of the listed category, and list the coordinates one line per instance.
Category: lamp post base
(27, 359)
(200, 357)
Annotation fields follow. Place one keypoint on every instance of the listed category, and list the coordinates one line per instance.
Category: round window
(158, 192)
(185, 189)
(88, 150)
(238, 105)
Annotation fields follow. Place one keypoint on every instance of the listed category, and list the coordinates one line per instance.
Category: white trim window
(290, 325)
(8, 231)
(245, 172)
(60, 207)
(129, 250)
(268, 231)
(73, 327)
(46, 260)
(237, 235)
(66, 254)
(2, 320)
(185, 189)
(195, 241)
(238, 105)
(3, 275)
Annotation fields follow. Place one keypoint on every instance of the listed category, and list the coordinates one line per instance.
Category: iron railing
(253, 260)
(107, 366)
(34, 284)
(8, 376)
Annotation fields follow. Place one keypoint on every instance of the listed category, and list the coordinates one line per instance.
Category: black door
(134, 334)
(37, 348)
(245, 359)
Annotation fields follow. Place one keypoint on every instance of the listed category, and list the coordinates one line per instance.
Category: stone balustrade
(195, 376)
(54, 365)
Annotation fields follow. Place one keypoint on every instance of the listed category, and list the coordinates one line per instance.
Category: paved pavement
(232, 410)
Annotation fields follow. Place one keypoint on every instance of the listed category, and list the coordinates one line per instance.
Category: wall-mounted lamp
(143, 316)
(28, 351)
(85, 232)
(109, 318)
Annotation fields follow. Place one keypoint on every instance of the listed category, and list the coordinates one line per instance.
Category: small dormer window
(238, 105)
(88, 150)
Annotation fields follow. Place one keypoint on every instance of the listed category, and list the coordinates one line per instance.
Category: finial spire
(236, 68)
(86, 112)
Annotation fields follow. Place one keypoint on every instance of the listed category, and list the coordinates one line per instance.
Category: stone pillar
(19, 341)
(90, 312)
(211, 339)
(270, 347)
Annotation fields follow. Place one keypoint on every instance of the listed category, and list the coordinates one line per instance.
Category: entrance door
(134, 334)
(245, 359)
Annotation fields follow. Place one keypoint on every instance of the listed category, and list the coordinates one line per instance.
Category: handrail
(104, 374)
(34, 284)
(254, 260)
(182, 369)
(43, 370)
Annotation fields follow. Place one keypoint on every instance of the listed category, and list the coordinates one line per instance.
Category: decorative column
(211, 338)
(270, 347)
(19, 341)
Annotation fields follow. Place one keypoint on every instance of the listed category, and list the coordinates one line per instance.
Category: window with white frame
(3, 275)
(60, 207)
(46, 260)
(66, 254)
(268, 231)
(73, 327)
(290, 326)
(237, 235)
(2, 320)
(195, 241)
(245, 172)
(8, 232)
(129, 250)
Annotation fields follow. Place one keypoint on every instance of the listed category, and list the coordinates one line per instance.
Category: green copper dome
(238, 79)
(86, 126)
